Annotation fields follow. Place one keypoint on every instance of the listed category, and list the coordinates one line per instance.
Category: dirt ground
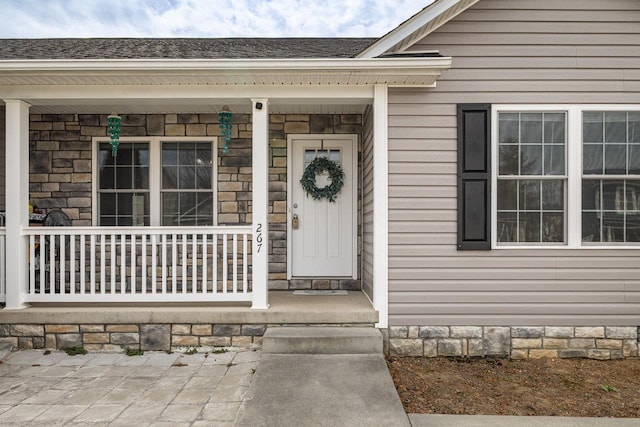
(552, 387)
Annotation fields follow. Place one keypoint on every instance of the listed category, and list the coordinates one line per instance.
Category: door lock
(295, 222)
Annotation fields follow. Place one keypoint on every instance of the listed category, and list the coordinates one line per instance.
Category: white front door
(322, 245)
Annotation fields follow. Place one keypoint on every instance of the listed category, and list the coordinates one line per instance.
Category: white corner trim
(381, 205)
(408, 27)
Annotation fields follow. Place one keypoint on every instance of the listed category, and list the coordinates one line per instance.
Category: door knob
(295, 222)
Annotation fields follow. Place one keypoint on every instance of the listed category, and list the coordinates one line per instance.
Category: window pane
(613, 195)
(531, 128)
(590, 227)
(592, 126)
(170, 177)
(531, 160)
(107, 204)
(124, 177)
(615, 159)
(634, 159)
(633, 228)
(529, 195)
(554, 128)
(107, 177)
(554, 159)
(170, 204)
(507, 227)
(169, 153)
(592, 159)
(591, 195)
(508, 160)
(187, 177)
(552, 227)
(508, 128)
(612, 227)
(204, 178)
(508, 195)
(529, 227)
(141, 177)
(553, 195)
(634, 127)
(615, 127)
(633, 196)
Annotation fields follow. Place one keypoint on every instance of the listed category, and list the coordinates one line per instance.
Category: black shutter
(474, 176)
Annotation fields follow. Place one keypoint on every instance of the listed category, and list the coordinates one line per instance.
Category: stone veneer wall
(516, 342)
(61, 161)
(116, 337)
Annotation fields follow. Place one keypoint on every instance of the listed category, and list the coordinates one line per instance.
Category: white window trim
(155, 172)
(573, 212)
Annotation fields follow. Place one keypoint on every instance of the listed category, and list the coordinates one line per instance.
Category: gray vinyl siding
(512, 52)
(367, 202)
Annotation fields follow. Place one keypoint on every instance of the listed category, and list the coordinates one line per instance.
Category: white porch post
(260, 162)
(17, 200)
(381, 205)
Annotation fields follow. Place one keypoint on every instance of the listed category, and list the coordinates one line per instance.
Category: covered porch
(229, 260)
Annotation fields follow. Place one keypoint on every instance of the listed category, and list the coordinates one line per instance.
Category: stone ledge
(517, 342)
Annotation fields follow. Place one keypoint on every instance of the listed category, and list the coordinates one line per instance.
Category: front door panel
(322, 245)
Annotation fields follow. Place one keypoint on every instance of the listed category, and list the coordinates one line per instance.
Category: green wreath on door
(317, 166)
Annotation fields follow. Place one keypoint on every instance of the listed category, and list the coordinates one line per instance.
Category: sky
(204, 18)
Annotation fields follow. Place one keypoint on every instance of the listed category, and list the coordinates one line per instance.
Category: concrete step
(322, 340)
(5, 349)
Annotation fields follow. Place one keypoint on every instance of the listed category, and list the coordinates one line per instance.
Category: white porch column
(381, 204)
(17, 201)
(260, 162)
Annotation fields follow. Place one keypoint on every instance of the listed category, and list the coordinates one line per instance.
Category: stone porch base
(521, 342)
(104, 328)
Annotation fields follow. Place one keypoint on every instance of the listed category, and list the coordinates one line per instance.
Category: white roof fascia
(413, 25)
(222, 65)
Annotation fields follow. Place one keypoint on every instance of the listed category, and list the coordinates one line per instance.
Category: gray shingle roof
(227, 48)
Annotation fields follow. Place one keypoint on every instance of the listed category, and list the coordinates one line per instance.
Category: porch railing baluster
(102, 264)
(143, 277)
(194, 264)
(224, 263)
(113, 264)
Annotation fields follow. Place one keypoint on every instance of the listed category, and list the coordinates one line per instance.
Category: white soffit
(230, 73)
(417, 27)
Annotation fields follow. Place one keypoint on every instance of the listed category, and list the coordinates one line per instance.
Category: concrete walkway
(155, 389)
(322, 390)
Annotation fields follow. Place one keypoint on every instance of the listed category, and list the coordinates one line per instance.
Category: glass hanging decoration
(225, 117)
(114, 122)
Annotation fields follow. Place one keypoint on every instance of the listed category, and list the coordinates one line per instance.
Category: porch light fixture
(225, 118)
(114, 122)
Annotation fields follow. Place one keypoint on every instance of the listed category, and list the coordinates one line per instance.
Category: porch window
(123, 191)
(156, 181)
(187, 184)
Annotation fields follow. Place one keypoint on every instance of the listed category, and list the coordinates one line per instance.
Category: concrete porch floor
(285, 308)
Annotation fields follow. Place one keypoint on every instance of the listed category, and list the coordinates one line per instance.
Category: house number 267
(259, 237)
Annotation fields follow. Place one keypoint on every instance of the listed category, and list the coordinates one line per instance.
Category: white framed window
(565, 176)
(168, 181)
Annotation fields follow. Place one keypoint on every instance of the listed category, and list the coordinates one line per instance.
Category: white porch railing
(3, 262)
(141, 264)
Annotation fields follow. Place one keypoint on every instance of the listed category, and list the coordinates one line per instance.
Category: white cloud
(204, 18)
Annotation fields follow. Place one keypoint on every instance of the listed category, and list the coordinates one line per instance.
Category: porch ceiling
(327, 107)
